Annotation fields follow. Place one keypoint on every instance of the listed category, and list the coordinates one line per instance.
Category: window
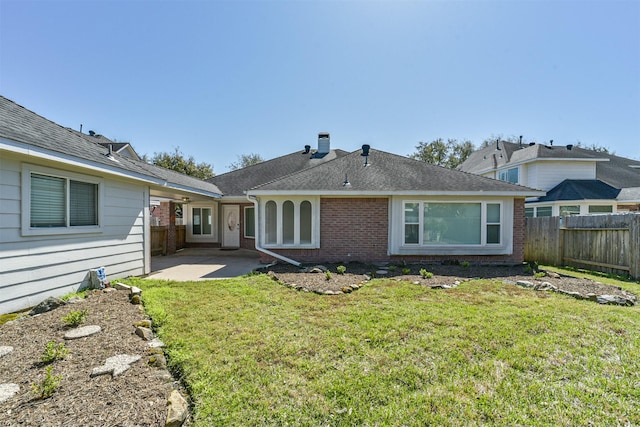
(201, 221)
(59, 202)
(543, 211)
(595, 209)
(528, 212)
(427, 223)
(509, 175)
(569, 210)
(249, 222)
(288, 223)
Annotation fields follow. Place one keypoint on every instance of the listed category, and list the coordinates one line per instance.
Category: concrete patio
(191, 264)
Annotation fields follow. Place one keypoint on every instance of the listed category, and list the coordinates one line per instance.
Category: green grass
(485, 353)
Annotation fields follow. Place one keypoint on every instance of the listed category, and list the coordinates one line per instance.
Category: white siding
(33, 268)
(546, 175)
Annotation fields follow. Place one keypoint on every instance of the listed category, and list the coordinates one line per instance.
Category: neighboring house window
(543, 211)
(57, 202)
(249, 221)
(288, 223)
(509, 175)
(528, 212)
(427, 223)
(569, 210)
(201, 218)
(600, 209)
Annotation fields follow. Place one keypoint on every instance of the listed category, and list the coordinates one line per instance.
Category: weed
(539, 274)
(528, 269)
(426, 274)
(53, 352)
(392, 268)
(79, 294)
(406, 270)
(74, 318)
(341, 269)
(48, 386)
(328, 275)
(464, 264)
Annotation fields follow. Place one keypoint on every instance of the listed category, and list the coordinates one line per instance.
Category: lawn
(255, 353)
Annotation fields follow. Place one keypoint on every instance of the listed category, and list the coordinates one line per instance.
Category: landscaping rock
(177, 409)
(115, 365)
(121, 286)
(381, 273)
(136, 291)
(49, 304)
(5, 350)
(156, 343)
(544, 286)
(82, 332)
(524, 283)
(146, 323)
(144, 333)
(575, 295)
(614, 300)
(135, 299)
(7, 391)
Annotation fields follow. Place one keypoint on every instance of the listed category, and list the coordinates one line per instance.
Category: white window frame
(187, 212)
(506, 174)
(27, 230)
(483, 222)
(297, 201)
(245, 222)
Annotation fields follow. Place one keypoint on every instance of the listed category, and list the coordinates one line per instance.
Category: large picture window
(443, 223)
(62, 202)
(288, 223)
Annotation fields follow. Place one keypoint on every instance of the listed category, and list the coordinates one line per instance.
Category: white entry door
(231, 226)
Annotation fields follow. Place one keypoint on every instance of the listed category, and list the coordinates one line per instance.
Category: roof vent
(346, 182)
(324, 144)
(307, 148)
(92, 133)
(569, 146)
(365, 150)
(498, 145)
(520, 141)
(531, 144)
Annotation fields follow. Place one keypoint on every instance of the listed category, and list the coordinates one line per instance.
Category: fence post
(560, 238)
(634, 247)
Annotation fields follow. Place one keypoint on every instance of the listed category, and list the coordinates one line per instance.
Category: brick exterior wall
(357, 230)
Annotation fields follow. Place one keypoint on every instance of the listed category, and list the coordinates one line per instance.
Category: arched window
(288, 223)
(305, 222)
(271, 223)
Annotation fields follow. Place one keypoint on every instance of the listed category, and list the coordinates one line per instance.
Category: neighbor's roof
(26, 132)
(580, 189)
(386, 174)
(236, 182)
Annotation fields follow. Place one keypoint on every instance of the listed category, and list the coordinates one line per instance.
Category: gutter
(258, 234)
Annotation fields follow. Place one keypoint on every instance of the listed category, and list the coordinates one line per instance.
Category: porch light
(185, 199)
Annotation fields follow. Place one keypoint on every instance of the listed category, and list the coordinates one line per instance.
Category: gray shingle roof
(235, 183)
(387, 173)
(580, 189)
(21, 125)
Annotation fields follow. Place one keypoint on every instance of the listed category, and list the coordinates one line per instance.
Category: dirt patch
(316, 280)
(138, 397)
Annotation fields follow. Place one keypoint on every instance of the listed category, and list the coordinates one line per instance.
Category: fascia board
(529, 193)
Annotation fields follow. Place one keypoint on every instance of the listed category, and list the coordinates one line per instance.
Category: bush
(328, 275)
(48, 386)
(465, 264)
(53, 352)
(341, 269)
(406, 270)
(75, 318)
(426, 274)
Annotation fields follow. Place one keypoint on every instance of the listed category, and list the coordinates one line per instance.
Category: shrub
(539, 274)
(74, 318)
(392, 268)
(328, 275)
(406, 270)
(341, 269)
(53, 352)
(48, 386)
(465, 264)
(426, 274)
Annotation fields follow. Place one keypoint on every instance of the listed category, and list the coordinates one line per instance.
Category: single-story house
(370, 205)
(69, 205)
(577, 181)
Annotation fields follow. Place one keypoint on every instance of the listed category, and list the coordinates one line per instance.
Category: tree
(246, 160)
(177, 161)
(449, 154)
(595, 147)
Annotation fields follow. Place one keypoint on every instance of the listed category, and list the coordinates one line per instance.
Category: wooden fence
(607, 243)
(160, 239)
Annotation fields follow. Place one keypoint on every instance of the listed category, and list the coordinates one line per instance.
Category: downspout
(258, 234)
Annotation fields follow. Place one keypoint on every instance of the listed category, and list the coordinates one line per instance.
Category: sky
(220, 79)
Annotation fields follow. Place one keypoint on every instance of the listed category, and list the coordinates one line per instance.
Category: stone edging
(600, 299)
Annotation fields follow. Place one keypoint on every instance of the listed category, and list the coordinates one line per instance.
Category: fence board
(607, 243)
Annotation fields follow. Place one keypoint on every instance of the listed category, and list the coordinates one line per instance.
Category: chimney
(324, 145)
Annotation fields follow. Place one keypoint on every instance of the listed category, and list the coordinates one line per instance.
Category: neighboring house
(68, 205)
(370, 205)
(122, 148)
(577, 181)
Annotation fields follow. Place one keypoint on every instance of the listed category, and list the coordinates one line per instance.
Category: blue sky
(221, 79)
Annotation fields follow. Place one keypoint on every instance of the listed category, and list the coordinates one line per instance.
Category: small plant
(527, 269)
(54, 352)
(392, 268)
(539, 274)
(426, 274)
(464, 264)
(328, 275)
(78, 294)
(341, 269)
(74, 318)
(48, 386)
(406, 270)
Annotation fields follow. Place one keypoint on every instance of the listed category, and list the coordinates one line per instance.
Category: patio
(192, 264)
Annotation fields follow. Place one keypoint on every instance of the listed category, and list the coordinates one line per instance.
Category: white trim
(244, 222)
(26, 230)
(297, 201)
(415, 193)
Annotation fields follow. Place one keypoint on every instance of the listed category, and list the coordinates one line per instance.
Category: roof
(387, 173)
(580, 189)
(236, 182)
(28, 132)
